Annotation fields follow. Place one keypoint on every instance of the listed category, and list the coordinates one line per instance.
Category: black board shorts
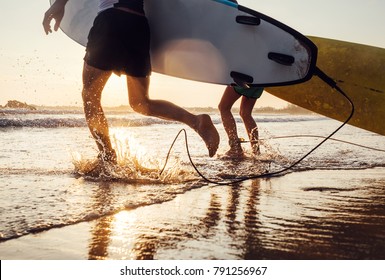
(119, 41)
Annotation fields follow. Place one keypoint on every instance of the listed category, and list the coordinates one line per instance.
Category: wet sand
(323, 214)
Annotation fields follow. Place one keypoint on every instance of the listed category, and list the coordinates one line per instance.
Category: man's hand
(56, 12)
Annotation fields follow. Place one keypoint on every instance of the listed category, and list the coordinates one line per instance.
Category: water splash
(135, 164)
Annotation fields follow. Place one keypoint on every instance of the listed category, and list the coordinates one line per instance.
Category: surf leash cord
(317, 136)
(324, 77)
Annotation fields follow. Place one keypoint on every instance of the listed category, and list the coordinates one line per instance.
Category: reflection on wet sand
(252, 245)
(101, 233)
(251, 221)
(120, 228)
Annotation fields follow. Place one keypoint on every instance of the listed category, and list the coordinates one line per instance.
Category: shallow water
(331, 205)
(288, 219)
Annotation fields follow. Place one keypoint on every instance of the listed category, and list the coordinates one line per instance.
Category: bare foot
(209, 133)
(98, 169)
(108, 157)
(254, 142)
(256, 150)
(236, 154)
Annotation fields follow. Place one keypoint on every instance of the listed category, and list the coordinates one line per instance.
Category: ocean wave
(288, 118)
(67, 120)
(42, 123)
(74, 122)
(20, 111)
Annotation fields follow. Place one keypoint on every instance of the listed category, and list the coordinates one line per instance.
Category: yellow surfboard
(359, 71)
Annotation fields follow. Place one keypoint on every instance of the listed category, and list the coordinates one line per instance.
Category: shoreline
(321, 214)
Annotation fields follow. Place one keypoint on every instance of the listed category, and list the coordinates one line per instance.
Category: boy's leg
(246, 110)
(228, 99)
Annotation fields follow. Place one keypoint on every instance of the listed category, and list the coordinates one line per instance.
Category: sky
(46, 70)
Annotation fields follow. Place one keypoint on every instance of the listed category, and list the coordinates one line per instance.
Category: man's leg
(141, 103)
(94, 81)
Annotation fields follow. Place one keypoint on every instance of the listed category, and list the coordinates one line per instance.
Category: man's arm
(56, 11)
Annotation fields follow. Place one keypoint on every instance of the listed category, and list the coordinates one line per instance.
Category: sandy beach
(307, 215)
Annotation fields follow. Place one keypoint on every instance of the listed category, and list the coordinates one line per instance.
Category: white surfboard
(214, 41)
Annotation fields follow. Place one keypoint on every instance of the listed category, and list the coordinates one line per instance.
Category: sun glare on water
(135, 163)
(128, 147)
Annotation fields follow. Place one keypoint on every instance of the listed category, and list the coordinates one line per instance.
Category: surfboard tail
(291, 52)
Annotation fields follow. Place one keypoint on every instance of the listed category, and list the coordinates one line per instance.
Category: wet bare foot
(97, 170)
(256, 150)
(234, 154)
(255, 142)
(108, 157)
(209, 133)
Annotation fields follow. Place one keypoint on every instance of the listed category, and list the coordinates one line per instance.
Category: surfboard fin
(281, 58)
(241, 79)
(248, 20)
